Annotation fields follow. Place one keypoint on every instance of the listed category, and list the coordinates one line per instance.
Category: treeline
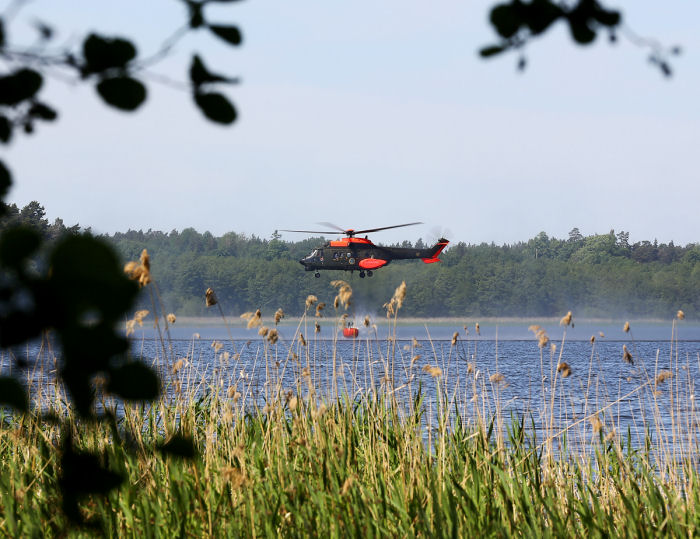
(596, 275)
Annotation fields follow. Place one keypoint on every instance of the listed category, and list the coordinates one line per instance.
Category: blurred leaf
(179, 446)
(196, 15)
(19, 86)
(216, 107)
(491, 51)
(200, 75)
(505, 19)
(87, 275)
(2, 33)
(17, 245)
(123, 93)
(134, 381)
(104, 53)
(5, 180)
(607, 17)
(40, 110)
(580, 30)
(541, 14)
(83, 473)
(5, 130)
(230, 34)
(13, 394)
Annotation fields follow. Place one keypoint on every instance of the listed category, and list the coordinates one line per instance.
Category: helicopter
(360, 254)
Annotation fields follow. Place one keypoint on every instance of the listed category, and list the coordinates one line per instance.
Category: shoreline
(234, 321)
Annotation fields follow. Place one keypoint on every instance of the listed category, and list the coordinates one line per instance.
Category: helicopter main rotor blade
(313, 231)
(385, 228)
(331, 225)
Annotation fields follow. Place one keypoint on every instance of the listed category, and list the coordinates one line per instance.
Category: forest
(600, 275)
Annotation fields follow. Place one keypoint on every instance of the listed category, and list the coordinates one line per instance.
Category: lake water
(499, 371)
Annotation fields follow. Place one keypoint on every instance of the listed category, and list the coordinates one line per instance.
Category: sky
(368, 114)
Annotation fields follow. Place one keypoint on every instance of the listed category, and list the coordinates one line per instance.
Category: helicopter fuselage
(360, 254)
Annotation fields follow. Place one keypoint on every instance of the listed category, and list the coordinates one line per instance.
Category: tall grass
(345, 450)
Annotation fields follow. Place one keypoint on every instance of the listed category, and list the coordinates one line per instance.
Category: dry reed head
(626, 327)
(319, 308)
(432, 371)
(592, 339)
(596, 423)
(454, 337)
(302, 340)
(171, 318)
(255, 319)
(542, 338)
(317, 327)
(626, 356)
(680, 315)
(477, 328)
(566, 320)
(210, 297)
(663, 376)
(416, 344)
(279, 315)
(601, 334)
(366, 322)
(534, 328)
(400, 294)
(310, 300)
(466, 330)
(139, 316)
(317, 413)
(130, 325)
(414, 359)
(497, 378)
(344, 293)
(216, 345)
(273, 336)
(470, 368)
(179, 364)
(263, 331)
(396, 302)
(139, 271)
(564, 369)
(145, 260)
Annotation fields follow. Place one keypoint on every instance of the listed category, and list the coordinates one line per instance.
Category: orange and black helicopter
(360, 254)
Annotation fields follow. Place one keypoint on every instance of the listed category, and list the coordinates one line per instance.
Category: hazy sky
(368, 114)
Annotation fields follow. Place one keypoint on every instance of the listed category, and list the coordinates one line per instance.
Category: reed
(333, 446)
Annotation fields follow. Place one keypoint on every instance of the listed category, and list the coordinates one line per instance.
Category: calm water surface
(213, 358)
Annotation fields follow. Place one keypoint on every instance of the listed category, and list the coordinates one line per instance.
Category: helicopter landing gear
(317, 275)
(369, 273)
(362, 275)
